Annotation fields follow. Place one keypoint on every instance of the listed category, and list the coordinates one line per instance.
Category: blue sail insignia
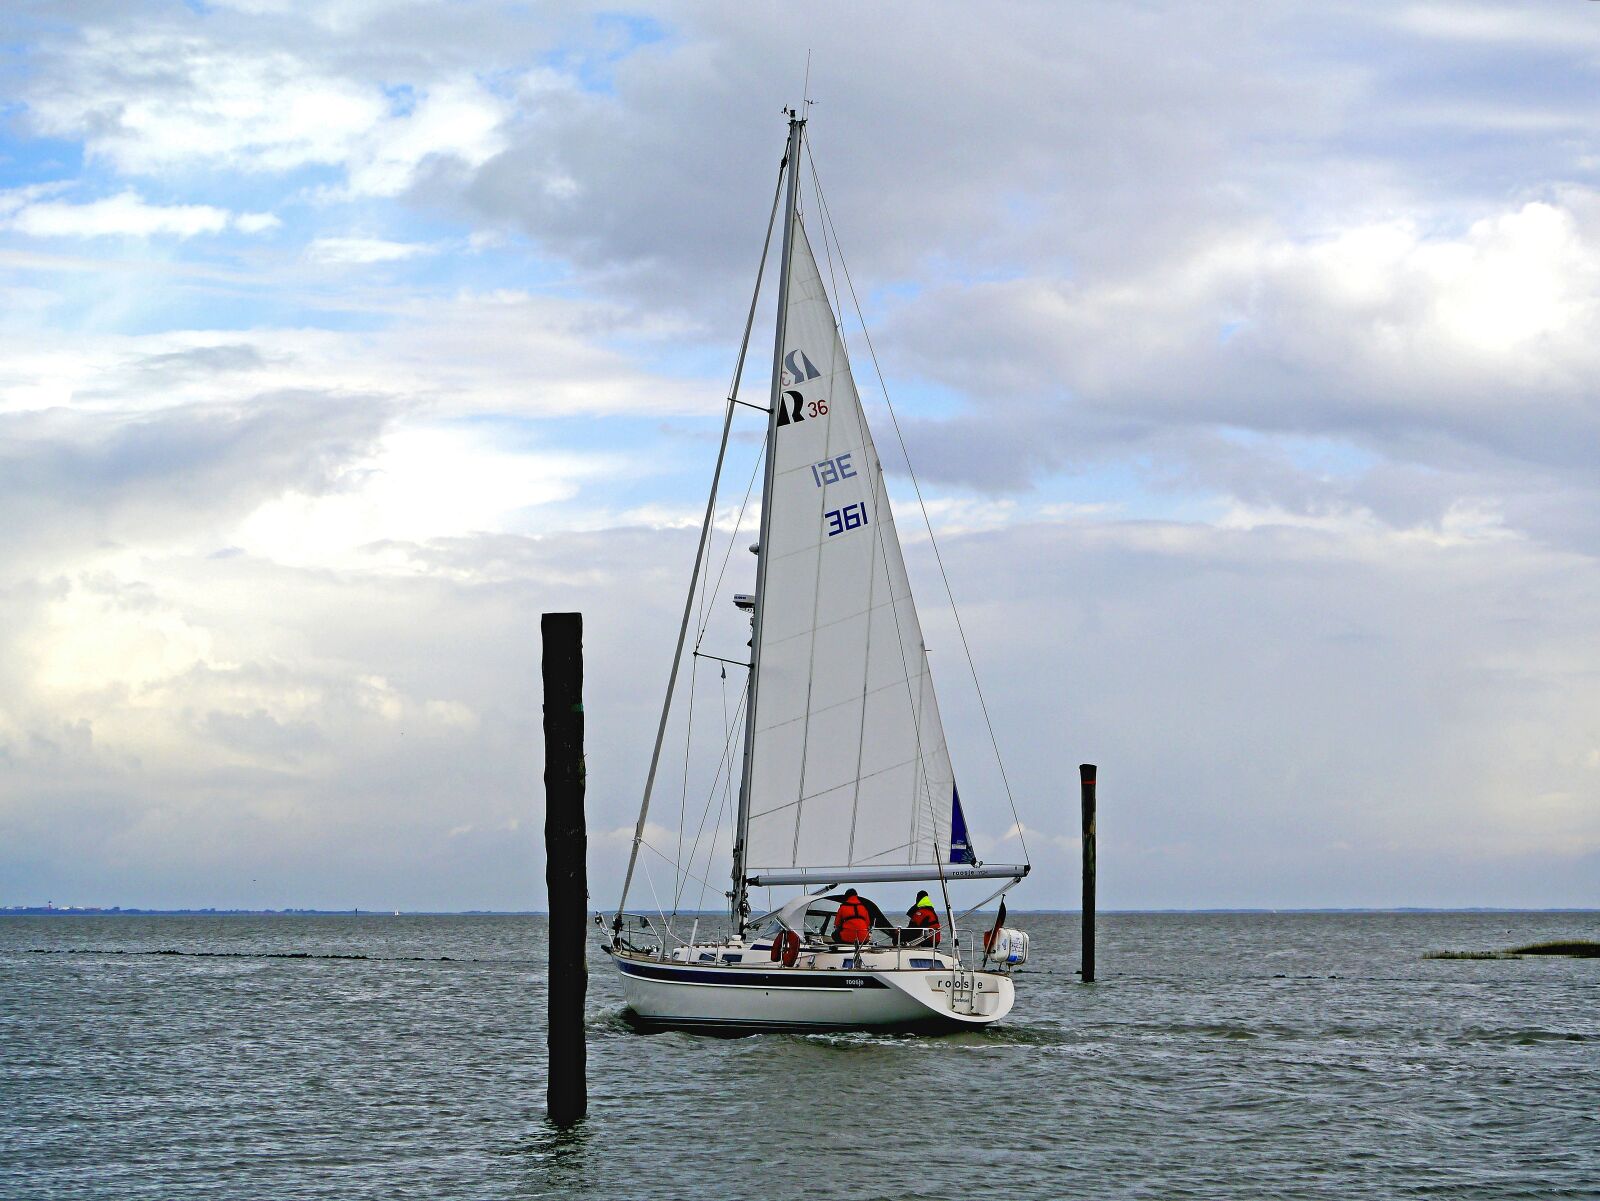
(960, 848)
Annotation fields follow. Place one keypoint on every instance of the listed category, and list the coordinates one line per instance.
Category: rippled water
(1219, 1056)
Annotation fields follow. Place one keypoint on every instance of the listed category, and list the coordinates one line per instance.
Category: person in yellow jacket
(923, 916)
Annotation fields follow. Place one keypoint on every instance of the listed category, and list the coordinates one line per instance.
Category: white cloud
(342, 16)
(255, 223)
(151, 103)
(1493, 25)
(125, 214)
(456, 120)
(421, 483)
(154, 102)
(505, 353)
(1241, 689)
(950, 515)
(365, 250)
(1462, 358)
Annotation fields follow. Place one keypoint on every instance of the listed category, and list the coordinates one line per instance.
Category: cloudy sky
(1246, 354)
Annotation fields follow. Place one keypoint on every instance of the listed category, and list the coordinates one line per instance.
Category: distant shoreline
(121, 911)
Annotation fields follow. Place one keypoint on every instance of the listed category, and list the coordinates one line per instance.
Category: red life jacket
(853, 923)
(925, 917)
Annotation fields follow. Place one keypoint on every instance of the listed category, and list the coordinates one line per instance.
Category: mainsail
(848, 761)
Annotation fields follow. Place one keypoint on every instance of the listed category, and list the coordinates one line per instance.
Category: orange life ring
(786, 946)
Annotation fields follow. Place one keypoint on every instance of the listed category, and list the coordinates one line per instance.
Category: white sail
(848, 763)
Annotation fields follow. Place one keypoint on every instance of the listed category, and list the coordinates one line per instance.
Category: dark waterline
(1220, 1055)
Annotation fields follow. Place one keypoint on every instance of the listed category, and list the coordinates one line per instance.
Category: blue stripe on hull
(932, 1024)
(745, 978)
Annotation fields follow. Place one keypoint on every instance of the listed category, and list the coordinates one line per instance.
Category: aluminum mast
(741, 901)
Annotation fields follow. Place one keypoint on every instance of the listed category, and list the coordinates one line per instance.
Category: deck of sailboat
(838, 957)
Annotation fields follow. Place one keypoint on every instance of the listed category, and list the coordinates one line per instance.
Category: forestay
(848, 765)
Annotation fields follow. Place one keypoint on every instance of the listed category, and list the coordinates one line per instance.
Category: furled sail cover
(849, 765)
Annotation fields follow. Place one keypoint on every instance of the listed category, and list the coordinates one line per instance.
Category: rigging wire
(700, 901)
(665, 858)
(650, 880)
(688, 733)
(733, 541)
(722, 764)
(725, 773)
(983, 705)
(700, 549)
(1001, 891)
(726, 780)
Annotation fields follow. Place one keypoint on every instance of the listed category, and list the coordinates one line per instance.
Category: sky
(1245, 355)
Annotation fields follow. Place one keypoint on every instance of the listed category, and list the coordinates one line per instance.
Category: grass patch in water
(1578, 948)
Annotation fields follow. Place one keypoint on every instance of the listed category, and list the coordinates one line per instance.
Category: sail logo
(797, 368)
(792, 406)
(960, 845)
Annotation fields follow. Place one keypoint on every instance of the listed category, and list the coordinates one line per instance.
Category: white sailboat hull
(764, 995)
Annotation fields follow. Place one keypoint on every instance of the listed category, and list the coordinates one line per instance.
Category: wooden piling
(1086, 778)
(566, 873)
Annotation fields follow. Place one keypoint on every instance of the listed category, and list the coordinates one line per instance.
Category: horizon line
(49, 910)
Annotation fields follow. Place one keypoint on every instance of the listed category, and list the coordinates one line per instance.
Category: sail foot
(778, 877)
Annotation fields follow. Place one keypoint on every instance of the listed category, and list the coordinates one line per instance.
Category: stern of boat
(961, 996)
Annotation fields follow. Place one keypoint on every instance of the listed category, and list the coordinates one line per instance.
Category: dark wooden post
(566, 873)
(1086, 772)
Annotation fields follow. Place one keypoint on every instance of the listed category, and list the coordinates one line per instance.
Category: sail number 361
(851, 517)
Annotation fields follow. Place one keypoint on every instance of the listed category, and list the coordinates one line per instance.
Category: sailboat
(846, 778)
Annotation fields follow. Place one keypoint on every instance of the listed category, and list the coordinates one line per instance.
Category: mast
(741, 902)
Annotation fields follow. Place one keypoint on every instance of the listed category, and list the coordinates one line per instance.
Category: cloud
(255, 223)
(1241, 688)
(228, 707)
(70, 481)
(1383, 367)
(455, 125)
(503, 353)
(124, 215)
(1244, 360)
(1284, 686)
(151, 101)
(421, 482)
(364, 250)
(1494, 26)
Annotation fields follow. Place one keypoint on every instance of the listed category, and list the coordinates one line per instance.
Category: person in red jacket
(853, 922)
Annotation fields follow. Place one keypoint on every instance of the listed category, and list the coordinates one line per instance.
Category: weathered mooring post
(1086, 774)
(566, 872)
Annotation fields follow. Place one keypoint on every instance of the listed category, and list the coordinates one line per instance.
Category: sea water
(1218, 1056)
